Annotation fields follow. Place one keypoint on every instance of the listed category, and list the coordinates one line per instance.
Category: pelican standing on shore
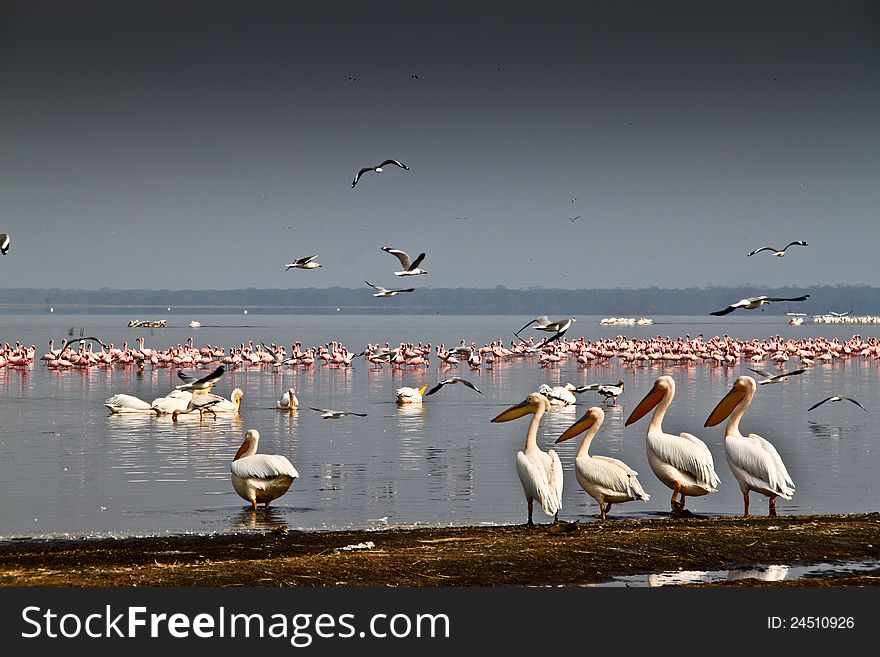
(607, 480)
(260, 478)
(683, 462)
(539, 472)
(754, 461)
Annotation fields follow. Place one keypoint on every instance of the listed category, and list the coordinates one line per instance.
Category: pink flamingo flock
(683, 351)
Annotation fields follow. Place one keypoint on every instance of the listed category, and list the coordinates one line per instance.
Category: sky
(205, 145)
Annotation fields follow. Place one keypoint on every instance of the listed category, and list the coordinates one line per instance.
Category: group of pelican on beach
(682, 462)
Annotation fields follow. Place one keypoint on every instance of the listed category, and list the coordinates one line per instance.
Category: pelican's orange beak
(725, 407)
(578, 427)
(514, 412)
(649, 402)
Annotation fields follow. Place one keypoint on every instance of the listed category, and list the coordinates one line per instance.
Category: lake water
(69, 467)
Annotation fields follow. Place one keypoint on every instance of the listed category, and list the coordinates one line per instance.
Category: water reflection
(261, 519)
(833, 431)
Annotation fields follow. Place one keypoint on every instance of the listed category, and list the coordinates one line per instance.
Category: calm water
(71, 468)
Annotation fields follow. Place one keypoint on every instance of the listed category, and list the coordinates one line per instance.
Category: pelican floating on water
(288, 401)
(539, 472)
(409, 395)
(683, 462)
(260, 478)
(607, 480)
(754, 461)
(559, 396)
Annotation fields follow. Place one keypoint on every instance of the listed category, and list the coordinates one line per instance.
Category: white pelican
(607, 480)
(778, 252)
(408, 395)
(775, 378)
(122, 403)
(223, 405)
(307, 262)
(753, 460)
(450, 381)
(409, 268)
(750, 303)
(260, 478)
(683, 462)
(4, 243)
(176, 400)
(379, 168)
(202, 385)
(385, 292)
(559, 396)
(837, 398)
(288, 401)
(611, 392)
(330, 414)
(539, 472)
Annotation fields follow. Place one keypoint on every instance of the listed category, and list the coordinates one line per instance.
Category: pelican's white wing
(617, 462)
(758, 459)
(687, 453)
(612, 475)
(541, 478)
(122, 403)
(263, 466)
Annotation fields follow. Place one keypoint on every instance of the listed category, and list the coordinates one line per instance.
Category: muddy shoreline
(567, 554)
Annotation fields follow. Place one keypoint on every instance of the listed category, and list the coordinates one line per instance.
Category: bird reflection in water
(832, 431)
(263, 519)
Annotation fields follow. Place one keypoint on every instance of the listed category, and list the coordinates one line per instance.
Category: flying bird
(451, 380)
(409, 268)
(304, 263)
(203, 384)
(750, 303)
(260, 478)
(4, 243)
(379, 168)
(543, 323)
(329, 414)
(385, 292)
(775, 378)
(573, 219)
(778, 252)
(837, 398)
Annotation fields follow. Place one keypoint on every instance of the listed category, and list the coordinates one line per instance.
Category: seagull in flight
(837, 398)
(304, 263)
(573, 219)
(750, 303)
(203, 384)
(778, 252)
(329, 414)
(409, 268)
(775, 378)
(543, 323)
(4, 243)
(385, 292)
(450, 380)
(379, 168)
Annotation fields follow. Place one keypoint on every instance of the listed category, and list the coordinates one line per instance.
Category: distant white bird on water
(385, 292)
(329, 414)
(288, 401)
(379, 168)
(4, 243)
(778, 252)
(410, 268)
(307, 262)
(260, 478)
(750, 303)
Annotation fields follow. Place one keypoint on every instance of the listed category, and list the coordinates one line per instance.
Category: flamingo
(260, 478)
(607, 480)
(540, 473)
(754, 461)
(683, 462)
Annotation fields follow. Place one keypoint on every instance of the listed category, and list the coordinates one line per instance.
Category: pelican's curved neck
(656, 425)
(584, 449)
(738, 411)
(532, 433)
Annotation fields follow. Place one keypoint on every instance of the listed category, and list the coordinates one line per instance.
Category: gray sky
(172, 144)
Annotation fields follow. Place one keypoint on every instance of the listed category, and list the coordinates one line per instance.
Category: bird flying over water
(750, 303)
(385, 292)
(4, 243)
(329, 414)
(307, 262)
(203, 384)
(837, 398)
(775, 378)
(409, 268)
(778, 252)
(451, 380)
(379, 168)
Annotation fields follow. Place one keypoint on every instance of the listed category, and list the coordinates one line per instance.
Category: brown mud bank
(567, 554)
